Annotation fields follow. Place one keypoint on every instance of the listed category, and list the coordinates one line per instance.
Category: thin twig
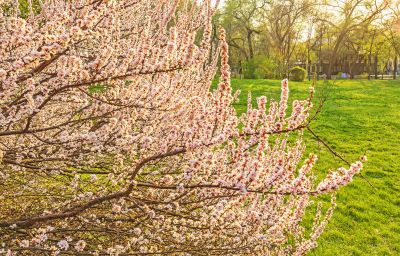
(335, 153)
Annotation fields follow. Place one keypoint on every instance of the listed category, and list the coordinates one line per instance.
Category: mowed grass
(359, 116)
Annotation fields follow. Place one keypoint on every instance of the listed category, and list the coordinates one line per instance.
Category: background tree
(242, 20)
(339, 35)
(392, 33)
(285, 24)
(348, 16)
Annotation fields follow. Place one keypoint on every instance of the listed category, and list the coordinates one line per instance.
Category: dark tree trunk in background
(333, 56)
(395, 68)
(370, 55)
(308, 62)
(376, 66)
(329, 75)
(309, 65)
(369, 65)
(385, 68)
(287, 56)
(250, 44)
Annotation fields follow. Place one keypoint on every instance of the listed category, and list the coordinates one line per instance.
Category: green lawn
(358, 116)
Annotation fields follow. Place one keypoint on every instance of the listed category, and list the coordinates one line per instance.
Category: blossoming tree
(112, 143)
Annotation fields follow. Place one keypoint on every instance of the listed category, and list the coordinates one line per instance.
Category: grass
(359, 116)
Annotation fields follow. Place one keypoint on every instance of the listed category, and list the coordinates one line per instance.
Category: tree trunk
(308, 62)
(319, 55)
(329, 75)
(384, 68)
(370, 56)
(369, 65)
(250, 44)
(332, 61)
(395, 68)
(287, 56)
(334, 53)
(376, 66)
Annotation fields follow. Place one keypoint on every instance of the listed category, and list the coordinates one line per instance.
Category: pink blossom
(63, 245)
(111, 133)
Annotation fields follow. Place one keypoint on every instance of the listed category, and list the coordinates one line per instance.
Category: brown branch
(333, 152)
(73, 211)
(175, 187)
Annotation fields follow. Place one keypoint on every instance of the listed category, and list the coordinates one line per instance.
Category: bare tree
(345, 16)
(285, 23)
(392, 28)
(244, 16)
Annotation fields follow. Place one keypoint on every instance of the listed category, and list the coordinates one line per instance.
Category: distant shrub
(259, 67)
(298, 74)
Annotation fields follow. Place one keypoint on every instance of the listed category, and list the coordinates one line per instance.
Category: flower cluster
(339, 178)
(113, 143)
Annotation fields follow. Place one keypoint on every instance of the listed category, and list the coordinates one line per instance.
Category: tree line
(269, 37)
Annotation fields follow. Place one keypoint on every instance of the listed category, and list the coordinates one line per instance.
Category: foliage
(111, 142)
(331, 34)
(241, 20)
(259, 67)
(298, 74)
